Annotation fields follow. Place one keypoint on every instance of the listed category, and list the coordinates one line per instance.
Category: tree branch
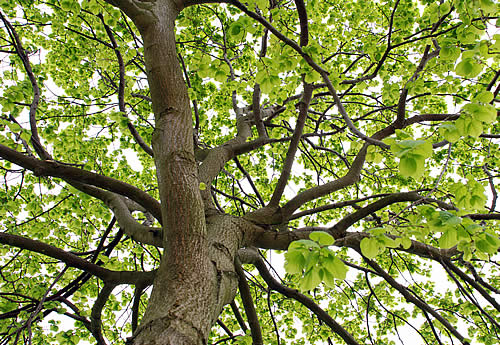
(292, 148)
(306, 301)
(416, 301)
(238, 317)
(350, 178)
(121, 90)
(401, 110)
(95, 315)
(122, 208)
(109, 276)
(246, 298)
(21, 52)
(135, 306)
(304, 30)
(450, 265)
(52, 168)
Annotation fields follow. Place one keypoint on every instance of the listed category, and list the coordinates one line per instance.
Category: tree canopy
(260, 172)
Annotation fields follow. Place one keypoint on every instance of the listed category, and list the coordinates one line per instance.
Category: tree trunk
(196, 276)
(191, 288)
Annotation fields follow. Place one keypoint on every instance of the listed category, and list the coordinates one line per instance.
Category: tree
(156, 155)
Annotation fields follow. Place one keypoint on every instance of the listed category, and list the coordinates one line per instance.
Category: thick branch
(116, 277)
(51, 168)
(313, 193)
(246, 297)
(95, 315)
(139, 11)
(122, 208)
(292, 148)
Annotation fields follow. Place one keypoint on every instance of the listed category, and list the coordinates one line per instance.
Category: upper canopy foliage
(374, 121)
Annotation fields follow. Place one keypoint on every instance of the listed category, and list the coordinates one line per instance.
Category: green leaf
(487, 243)
(261, 4)
(261, 76)
(488, 6)
(312, 259)
(327, 277)
(244, 340)
(373, 155)
(310, 280)
(14, 127)
(405, 243)
(467, 125)
(312, 77)
(267, 82)
(304, 244)
(408, 166)
(220, 76)
(448, 239)
(67, 5)
(322, 238)
(26, 135)
(449, 53)
(389, 242)
(469, 196)
(294, 261)
(449, 132)
(444, 8)
(369, 247)
(484, 97)
(468, 68)
(235, 29)
(481, 112)
(336, 267)
(412, 154)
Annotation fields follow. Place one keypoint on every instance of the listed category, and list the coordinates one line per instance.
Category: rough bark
(196, 277)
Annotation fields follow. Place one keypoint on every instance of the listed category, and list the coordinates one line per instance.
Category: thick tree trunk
(191, 289)
(196, 276)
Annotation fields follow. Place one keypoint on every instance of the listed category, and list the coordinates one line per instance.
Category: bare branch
(450, 265)
(51, 168)
(246, 297)
(292, 148)
(95, 316)
(335, 205)
(139, 289)
(21, 52)
(121, 90)
(492, 187)
(416, 301)
(306, 301)
(401, 110)
(304, 30)
(238, 317)
(256, 112)
(117, 277)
